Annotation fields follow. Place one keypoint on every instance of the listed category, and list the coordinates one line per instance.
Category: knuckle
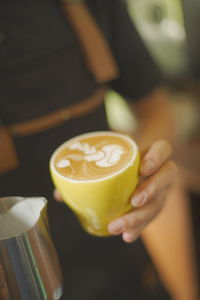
(151, 190)
(131, 221)
(159, 151)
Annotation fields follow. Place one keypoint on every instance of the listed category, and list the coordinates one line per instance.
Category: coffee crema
(93, 156)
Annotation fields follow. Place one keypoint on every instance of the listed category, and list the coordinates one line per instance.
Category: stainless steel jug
(29, 267)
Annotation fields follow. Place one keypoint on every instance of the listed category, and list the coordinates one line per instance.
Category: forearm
(170, 244)
(155, 120)
(168, 237)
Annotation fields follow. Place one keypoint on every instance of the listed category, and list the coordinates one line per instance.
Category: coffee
(93, 156)
(95, 174)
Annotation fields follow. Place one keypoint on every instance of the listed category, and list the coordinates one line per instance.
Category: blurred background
(171, 31)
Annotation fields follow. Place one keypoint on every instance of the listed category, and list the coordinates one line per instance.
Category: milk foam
(107, 157)
(20, 217)
(94, 156)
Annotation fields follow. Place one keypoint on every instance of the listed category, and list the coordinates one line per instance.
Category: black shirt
(42, 69)
(36, 30)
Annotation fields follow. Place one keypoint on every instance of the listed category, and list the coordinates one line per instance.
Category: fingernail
(116, 227)
(148, 167)
(139, 199)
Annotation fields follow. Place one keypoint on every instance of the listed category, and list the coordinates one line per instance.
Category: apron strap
(97, 52)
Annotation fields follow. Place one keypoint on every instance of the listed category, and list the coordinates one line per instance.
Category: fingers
(158, 153)
(134, 222)
(154, 184)
(57, 196)
(143, 217)
(130, 223)
(130, 236)
(148, 199)
(136, 217)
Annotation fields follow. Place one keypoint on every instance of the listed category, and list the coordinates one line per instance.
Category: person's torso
(29, 29)
(42, 67)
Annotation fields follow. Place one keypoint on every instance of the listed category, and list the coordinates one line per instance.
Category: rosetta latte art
(93, 157)
(108, 156)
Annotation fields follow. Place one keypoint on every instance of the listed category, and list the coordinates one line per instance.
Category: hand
(57, 196)
(157, 173)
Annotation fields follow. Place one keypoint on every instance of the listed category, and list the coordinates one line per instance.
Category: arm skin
(155, 119)
(168, 237)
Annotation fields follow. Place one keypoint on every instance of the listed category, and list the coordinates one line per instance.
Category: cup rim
(123, 136)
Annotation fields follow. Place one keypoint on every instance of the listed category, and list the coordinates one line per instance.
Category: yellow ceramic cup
(97, 202)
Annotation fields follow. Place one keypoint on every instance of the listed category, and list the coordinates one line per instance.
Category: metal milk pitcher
(29, 267)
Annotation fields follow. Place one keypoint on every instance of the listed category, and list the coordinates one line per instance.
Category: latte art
(93, 157)
(106, 157)
(95, 174)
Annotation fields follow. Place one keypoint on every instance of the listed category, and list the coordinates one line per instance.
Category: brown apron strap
(98, 55)
(60, 116)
